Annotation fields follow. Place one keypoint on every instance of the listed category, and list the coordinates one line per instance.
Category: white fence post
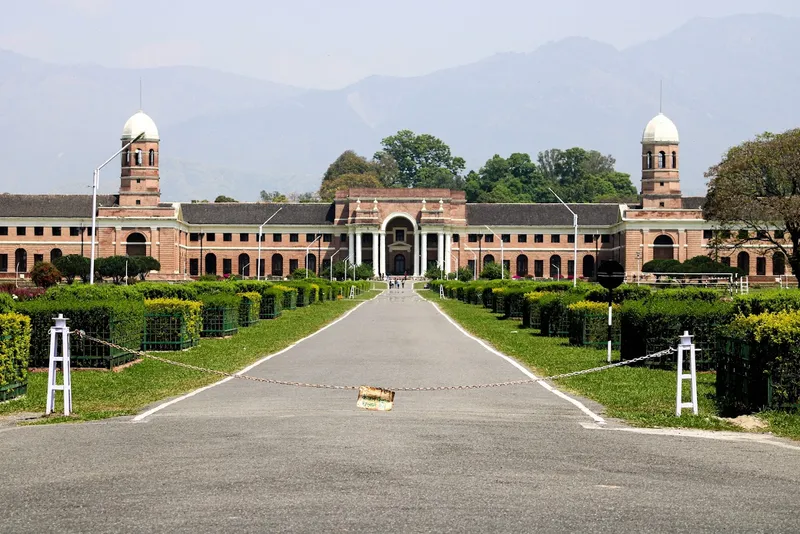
(686, 345)
(52, 379)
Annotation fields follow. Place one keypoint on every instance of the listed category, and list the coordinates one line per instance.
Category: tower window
(151, 160)
(660, 204)
(139, 157)
(138, 202)
(661, 184)
(662, 160)
(649, 160)
(674, 160)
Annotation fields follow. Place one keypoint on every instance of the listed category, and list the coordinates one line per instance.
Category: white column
(351, 245)
(377, 252)
(383, 254)
(358, 248)
(423, 253)
(416, 253)
(440, 250)
(448, 244)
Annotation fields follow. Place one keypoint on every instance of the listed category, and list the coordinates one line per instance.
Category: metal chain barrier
(664, 352)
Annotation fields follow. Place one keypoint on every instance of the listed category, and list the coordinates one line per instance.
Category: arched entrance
(778, 264)
(398, 256)
(311, 263)
(555, 266)
(244, 265)
(588, 266)
(522, 265)
(663, 248)
(135, 245)
(743, 262)
(488, 259)
(211, 263)
(55, 254)
(20, 261)
(277, 265)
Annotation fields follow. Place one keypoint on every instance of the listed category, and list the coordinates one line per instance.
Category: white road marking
(142, 416)
(582, 407)
(764, 439)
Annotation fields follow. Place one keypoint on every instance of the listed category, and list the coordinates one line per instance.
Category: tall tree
(348, 163)
(223, 198)
(755, 190)
(422, 160)
(327, 190)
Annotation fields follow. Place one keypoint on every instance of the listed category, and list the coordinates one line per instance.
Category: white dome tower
(661, 186)
(140, 181)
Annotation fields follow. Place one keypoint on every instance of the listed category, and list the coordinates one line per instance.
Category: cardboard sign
(371, 398)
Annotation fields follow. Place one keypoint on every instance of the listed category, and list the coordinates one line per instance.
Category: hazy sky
(331, 43)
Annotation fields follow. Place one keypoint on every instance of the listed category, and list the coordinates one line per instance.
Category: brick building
(397, 231)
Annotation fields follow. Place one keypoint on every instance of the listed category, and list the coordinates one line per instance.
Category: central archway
(399, 255)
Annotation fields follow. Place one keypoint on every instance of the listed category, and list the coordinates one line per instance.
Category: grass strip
(102, 394)
(639, 395)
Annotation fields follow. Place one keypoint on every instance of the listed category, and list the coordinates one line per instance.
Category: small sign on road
(371, 398)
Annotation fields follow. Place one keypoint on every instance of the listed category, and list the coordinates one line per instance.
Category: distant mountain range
(725, 80)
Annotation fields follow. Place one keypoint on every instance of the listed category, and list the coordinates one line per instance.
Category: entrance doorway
(399, 264)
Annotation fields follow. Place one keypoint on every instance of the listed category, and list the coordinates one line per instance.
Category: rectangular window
(538, 268)
(761, 266)
(89, 231)
(294, 238)
(762, 234)
(227, 237)
(227, 266)
(38, 258)
(471, 265)
(293, 264)
(326, 238)
(3, 230)
(38, 230)
(194, 267)
(555, 238)
(343, 238)
(538, 238)
(399, 235)
(277, 238)
(742, 234)
(605, 238)
(433, 240)
(708, 234)
(455, 238)
(472, 238)
(244, 238)
(262, 265)
(3, 263)
(74, 231)
(778, 234)
(570, 238)
(20, 230)
(507, 265)
(56, 231)
(488, 238)
(194, 236)
(310, 237)
(725, 261)
(522, 238)
(506, 238)
(726, 234)
(211, 237)
(588, 238)
(570, 268)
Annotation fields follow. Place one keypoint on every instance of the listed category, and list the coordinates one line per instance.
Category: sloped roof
(541, 214)
(78, 206)
(693, 203)
(256, 213)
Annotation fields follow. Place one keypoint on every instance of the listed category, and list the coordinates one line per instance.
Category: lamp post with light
(575, 240)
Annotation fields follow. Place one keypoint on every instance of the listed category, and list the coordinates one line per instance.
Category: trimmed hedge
(531, 317)
(95, 292)
(289, 297)
(620, 294)
(272, 300)
(656, 324)
(172, 324)
(119, 322)
(15, 344)
(759, 363)
(160, 290)
(588, 324)
(249, 308)
(220, 314)
(6, 303)
(554, 320)
(767, 301)
(687, 293)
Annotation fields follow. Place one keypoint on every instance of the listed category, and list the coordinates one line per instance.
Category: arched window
(648, 163)
(55, 254)
(522, 265)
(555, 266)
(211, 263)
(20, 261)
(663, 248)
(662, 160)
(400, 264)
(277, 265)
(151, 159)
(244, 265)
(135, 245)
(311, 263)
(743, 262)
(139, 157)
(778, 264)
(488, 259)
(674, 160)
(126, 158)
(588, 266)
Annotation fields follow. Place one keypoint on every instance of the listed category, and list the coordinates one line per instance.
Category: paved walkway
(245, 456)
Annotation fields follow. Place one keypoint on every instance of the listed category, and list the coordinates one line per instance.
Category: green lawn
(100, 394)
(640, 396)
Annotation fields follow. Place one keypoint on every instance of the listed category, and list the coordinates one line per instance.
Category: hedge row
(172, 324)
(15, 342)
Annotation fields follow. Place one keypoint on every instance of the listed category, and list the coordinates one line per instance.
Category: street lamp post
(502, 261)
(575, 241)
(95, 185)
(260, 234)
(475, 270)
(308, 248)
(331, 268)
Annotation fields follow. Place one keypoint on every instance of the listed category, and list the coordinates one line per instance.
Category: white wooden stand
(686, 345)
(60, 329)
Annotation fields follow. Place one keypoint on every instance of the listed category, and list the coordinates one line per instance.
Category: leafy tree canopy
(275, 196)
(422, 161)
(756, 188)
(73, 266)
(345, 181)
(223, 198)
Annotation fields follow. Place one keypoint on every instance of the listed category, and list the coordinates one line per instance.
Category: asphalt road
(245, 456)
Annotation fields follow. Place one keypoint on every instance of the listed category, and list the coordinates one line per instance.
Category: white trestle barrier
(441, 291)
(684, 346)
(60, 329)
